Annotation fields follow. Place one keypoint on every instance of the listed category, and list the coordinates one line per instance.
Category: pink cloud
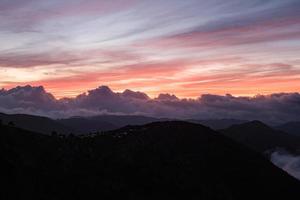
(265, 31)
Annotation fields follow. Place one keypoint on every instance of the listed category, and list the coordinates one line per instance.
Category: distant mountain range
(269, 141)
(35, 123)
(74, 125)
(290, 127)
(262, 137)
(217, 124)
(82, 125)
(169, 160)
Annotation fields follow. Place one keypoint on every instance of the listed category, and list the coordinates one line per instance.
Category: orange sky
(186, 48)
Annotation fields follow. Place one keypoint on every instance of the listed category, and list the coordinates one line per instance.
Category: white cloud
(287, 162)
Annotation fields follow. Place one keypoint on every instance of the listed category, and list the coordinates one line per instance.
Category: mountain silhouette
(83, 125)
(217, 124)
(34, 123)
(75, 125)
(172, 159)
(290, 127)
(261, 137)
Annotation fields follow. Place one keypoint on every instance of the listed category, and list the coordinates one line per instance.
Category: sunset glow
(187, 48)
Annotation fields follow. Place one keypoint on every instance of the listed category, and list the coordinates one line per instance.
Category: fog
(288, 162)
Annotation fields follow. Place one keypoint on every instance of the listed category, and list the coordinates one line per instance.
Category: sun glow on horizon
(186, 48)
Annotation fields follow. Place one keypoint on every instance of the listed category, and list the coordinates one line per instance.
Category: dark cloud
(166, 97)
(136, 95)
(274, 108)
(27, 97)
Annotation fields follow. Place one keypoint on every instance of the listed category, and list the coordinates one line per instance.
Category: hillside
(35, 123)
(217, 124)
(159, 160)
(261, 137)
(292, 128)
(74, 125)
(82, 125)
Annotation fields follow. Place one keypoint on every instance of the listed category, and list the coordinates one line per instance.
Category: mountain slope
(158, 160)
(261, 137)
(35, 123)
(292, 128)
(104, 122)
(75, 125)
(217, 124)
(124, 120)
(82, 125)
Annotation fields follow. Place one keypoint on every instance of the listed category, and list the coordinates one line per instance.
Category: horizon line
(151, 97)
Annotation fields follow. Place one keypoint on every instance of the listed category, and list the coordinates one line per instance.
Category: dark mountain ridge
(292, 128)
(104, 122)
(81, 125)
(172, 159)
(35, 123)
(75, 125)
(262, 137)
(217, 124)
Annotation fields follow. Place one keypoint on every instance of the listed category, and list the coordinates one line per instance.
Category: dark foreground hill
(161, 160)
(262, 138)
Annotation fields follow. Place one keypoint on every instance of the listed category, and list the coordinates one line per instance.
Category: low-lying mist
(288, 162)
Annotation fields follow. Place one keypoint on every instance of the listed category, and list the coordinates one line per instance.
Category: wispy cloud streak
(183, 47)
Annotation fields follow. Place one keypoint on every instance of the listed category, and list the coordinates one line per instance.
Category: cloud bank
(274, 108)
(287, 162)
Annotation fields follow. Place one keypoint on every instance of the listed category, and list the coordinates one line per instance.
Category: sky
(187, 48)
